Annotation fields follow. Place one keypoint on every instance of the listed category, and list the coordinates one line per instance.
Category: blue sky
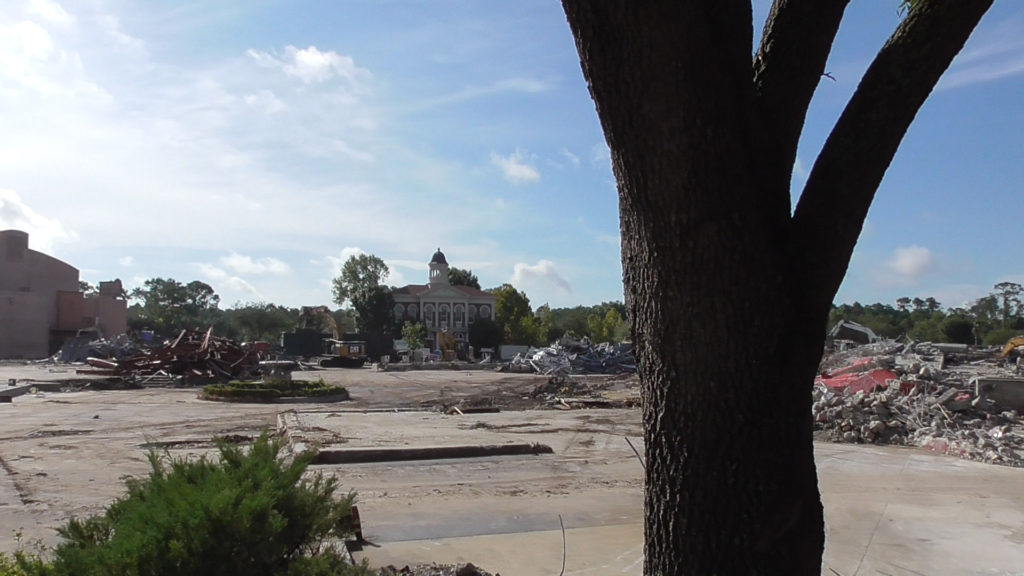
(255, 145)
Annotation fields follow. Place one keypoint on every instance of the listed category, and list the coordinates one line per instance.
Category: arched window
(460, 313)
(445, 311)
(414, 311)
(485, 311)
(399, 312)
(428, 314)
(472, 312)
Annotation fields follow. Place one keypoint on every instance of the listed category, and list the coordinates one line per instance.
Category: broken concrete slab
(1000, 393)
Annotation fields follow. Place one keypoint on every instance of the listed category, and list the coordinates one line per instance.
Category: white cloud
(43, 232)
(246, 265)
(50, 11)
(311, 65)
(542, 272)
(573, 159)
(126, 261)
(515, 168)
(223, 280)
(32, 40)
(998, 54)
(909, 264)
(508, 85)
(265, 101)
(111, 26)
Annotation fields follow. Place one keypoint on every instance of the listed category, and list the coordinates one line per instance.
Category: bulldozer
(335, 352)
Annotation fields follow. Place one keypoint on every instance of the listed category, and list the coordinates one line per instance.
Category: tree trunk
(728, 291)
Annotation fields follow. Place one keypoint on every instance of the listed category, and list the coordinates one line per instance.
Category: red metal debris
(194, 354)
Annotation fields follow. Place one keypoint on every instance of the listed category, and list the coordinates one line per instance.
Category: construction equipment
(1012, 344)
(344, 354)
(446, 343)
(334, 352)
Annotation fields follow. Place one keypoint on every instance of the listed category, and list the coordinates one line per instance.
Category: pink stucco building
(41, 305)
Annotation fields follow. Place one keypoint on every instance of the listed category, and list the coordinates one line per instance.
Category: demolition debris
(946, 398)
(194, 357)
(572, 356)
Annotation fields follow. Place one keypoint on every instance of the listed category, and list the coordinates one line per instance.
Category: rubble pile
(80, 348)
(572, 356)
(195, 356)
(923, 395)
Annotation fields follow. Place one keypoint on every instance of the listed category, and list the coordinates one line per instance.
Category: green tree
(360, 274)
(485, 333)
(258, 321)
(360, 285)
(460, 277)
(999, 336)
(703, 143)
(1008, 294)
(958, 329)
(513, 314)
(86, 288)
(167, 306)
(413, 334)
(985, 315)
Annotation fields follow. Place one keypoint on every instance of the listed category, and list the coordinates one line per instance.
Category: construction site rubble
(194, 357)
(577, 356)
(79, 348)
(950, 399)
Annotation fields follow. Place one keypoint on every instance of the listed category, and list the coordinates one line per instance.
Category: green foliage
(512, 313)
(414, 334)
(484, 333)
(257, 321)
(460, 277)
(359, 274)
(999, 336)
(360, 284)
(958, 329)
(272, 390)
(251, 513)
(168, 306)
(611, 328)
(577, 321)
(986, 320)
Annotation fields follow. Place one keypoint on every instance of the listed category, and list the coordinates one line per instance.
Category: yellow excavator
(446, 342)
(1012, 344)
(342, 353)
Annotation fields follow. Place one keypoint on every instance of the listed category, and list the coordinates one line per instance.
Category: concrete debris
(194, 357)
(951, 399)
(572, 356)
(79, 348)
(436, 570)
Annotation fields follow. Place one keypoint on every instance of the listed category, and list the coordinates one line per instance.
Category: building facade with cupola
(441, 307)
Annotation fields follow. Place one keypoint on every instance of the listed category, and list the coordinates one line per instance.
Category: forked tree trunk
(729, 290)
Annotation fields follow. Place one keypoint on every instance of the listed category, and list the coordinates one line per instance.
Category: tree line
(990, 320)
(366, 306)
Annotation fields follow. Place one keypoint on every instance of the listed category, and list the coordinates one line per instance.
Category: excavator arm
(1011, 344)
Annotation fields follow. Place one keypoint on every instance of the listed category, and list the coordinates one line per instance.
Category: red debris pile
(194, 355)
(930, 395)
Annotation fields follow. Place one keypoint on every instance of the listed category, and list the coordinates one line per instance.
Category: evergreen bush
(249, 514)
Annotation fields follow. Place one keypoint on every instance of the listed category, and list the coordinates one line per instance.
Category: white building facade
(442, 307)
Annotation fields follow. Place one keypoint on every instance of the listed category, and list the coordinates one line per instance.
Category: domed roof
(439, 258)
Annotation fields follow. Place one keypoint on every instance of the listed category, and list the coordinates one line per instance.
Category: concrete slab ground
(890, 511)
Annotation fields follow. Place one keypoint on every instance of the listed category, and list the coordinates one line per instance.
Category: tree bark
(727, 307)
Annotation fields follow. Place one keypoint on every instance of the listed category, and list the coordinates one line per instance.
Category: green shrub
(272, 390)
(999, 336)
(251, 513)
